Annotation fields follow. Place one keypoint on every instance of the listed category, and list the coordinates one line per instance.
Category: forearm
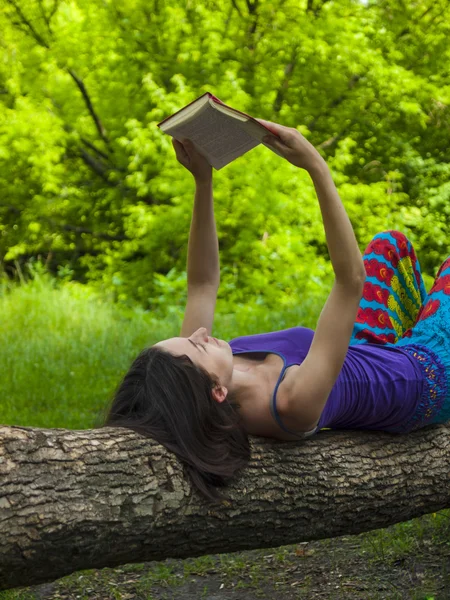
(203, 248)
(343, 248)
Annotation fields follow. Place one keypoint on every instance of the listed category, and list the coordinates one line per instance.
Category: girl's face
(215, 356)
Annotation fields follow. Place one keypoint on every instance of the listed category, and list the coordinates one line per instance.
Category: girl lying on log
(379, 358)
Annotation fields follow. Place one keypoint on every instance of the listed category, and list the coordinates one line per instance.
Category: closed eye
(197, 344)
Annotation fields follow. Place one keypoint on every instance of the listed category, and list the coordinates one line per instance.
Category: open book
(219, 132)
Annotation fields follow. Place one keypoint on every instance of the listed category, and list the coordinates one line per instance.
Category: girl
(378, 359)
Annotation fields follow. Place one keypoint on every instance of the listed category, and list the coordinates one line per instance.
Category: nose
(202, 333)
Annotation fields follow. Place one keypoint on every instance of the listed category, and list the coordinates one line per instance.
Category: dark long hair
(169, 399)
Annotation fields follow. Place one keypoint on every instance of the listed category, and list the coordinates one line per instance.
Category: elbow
(352, 282)
(361, 274)
(360, 279)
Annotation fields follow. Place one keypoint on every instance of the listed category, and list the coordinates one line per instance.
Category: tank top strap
(274, 412)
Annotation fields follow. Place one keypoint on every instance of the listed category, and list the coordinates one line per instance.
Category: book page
(218, 136)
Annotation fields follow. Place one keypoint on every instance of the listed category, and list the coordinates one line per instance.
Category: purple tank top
(379, 387)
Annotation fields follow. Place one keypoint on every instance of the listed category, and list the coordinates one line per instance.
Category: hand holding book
(291, 144)
(190, 158)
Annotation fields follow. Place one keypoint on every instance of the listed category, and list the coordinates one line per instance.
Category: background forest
(90, 187)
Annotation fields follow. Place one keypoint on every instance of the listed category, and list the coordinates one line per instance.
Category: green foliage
(65, 350)
(90, 186)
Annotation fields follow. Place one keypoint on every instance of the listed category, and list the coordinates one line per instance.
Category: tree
(73, 500)
(88, 183)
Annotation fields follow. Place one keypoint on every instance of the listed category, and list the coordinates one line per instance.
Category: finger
(274, 142)
(179, 149)
(177, 146)
(188, 145)
(273, 127)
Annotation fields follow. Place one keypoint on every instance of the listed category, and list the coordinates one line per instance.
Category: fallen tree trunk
(72, 500)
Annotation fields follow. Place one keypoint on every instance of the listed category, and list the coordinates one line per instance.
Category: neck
(245, 384)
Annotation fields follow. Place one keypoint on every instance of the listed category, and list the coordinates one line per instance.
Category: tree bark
(86, 499)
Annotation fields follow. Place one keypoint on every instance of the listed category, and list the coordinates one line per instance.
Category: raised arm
(203, 268)
(306, 387)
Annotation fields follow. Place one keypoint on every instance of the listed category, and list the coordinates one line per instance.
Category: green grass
(64, 351)
(403, 539)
